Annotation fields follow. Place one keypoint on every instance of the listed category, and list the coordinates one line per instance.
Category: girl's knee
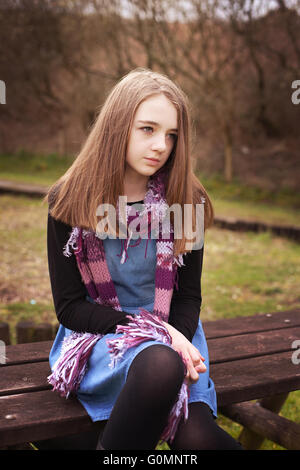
(160, 363)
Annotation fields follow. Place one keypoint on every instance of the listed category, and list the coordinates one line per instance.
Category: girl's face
(152, 136)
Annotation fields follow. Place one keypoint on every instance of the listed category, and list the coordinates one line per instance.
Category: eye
(147, 129)
(173, 136)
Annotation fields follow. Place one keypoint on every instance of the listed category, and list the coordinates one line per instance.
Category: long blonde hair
(97, 174)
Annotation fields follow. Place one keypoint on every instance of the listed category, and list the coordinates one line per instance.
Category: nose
(159, 143)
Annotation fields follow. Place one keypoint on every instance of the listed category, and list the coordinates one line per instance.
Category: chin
(148, 171)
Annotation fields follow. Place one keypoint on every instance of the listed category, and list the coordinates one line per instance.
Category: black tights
(201, 432)
(153, 382)
(141, 411)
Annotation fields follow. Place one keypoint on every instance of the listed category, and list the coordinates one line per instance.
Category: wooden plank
(249, 379)
(251, 324)
(27, 377)
(34, 352)
(28, 352)
(4, 332)
(248, 437)
(238, 380)
(246, 225)
(220, 349)
(265, 423)
(40, 415)
(232, 348)
(23, 378)
(22, 188)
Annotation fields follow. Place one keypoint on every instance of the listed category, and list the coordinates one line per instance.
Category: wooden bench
(250, 359)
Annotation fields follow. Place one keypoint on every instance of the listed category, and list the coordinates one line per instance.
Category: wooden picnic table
(250, 359)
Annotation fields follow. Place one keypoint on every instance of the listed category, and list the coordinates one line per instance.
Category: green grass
(25, 292)
(237, 200)
(36, 169)
(247, 273)
(262, 212)
(237, 190)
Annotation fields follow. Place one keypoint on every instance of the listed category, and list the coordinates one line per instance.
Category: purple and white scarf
(88, 248)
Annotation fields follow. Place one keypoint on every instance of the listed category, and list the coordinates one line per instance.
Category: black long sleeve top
(75, 312)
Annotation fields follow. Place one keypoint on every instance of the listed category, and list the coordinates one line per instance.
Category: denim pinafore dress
(134, 281)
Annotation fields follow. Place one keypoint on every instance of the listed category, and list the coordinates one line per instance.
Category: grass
(237, 190)
(36, 169)
(262, 212)
(24, 279)
(243, 273)
(237, 200)
(247, 273)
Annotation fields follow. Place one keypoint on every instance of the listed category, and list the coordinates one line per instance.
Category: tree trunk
(228, 167)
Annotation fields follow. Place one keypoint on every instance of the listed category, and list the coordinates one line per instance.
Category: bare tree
(272, 43)
(41, 54)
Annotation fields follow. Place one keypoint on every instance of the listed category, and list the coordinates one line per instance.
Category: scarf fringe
(179, 411)
(72, 242)
(146, 327)
(69, 369)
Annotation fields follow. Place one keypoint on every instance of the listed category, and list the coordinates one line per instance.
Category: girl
(130, 343)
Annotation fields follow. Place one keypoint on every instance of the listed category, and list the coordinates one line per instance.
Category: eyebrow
(156, 124)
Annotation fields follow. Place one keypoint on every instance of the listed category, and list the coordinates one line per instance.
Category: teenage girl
(142, 131)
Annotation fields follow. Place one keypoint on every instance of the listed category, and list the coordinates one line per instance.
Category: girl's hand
(193, 358)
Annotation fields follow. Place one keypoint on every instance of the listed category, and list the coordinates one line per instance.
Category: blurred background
(239, 63)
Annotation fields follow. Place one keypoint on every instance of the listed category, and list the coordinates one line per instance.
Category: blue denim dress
(134, 283)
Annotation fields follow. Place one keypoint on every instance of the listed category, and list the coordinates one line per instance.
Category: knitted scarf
(88, 248)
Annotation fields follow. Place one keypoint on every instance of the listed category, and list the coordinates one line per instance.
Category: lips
(152, 159)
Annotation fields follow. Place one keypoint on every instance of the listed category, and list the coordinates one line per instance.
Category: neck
(135, 187)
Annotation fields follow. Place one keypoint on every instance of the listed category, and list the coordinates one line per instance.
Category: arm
(69, 292)
(186, 302)
(184, 313)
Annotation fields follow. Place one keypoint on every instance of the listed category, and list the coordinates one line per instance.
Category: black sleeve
(186, 302)
(69, 292)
